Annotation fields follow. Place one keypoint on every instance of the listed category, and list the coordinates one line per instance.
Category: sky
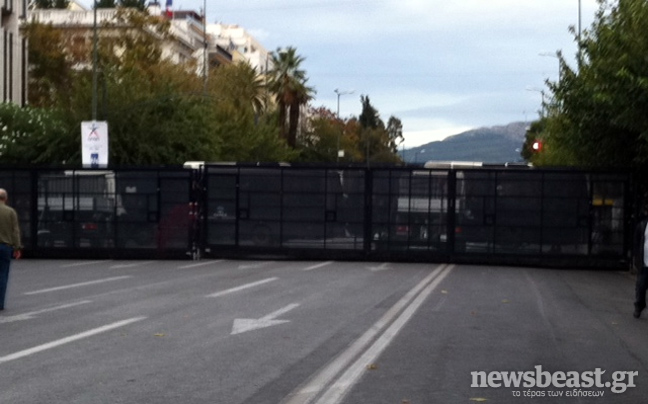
(441, 67)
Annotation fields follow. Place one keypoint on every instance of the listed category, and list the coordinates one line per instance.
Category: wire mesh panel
(565, 214)
(410, 210)
(608, 214)
(76, 209)
(284, 207)
(221, 206)
(411, 213)
(114, 210)
(18, 186)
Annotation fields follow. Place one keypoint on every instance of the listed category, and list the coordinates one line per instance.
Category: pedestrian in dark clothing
(10, 246)
(640, 250)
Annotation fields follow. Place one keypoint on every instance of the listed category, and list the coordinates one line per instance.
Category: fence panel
(283, 208)
(481, 215)
(116, 213)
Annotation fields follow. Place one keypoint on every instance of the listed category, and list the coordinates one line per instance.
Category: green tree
(46, 4)
(31, 135)
(379, 143)
(240, 85)
(246, 125)
(319, 142)
(597, 117)
(50, 68)
(395, 133)
(136, 4)
(288, 84)
(106, 4)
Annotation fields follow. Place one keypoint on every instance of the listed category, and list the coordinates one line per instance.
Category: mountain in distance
(496, 144)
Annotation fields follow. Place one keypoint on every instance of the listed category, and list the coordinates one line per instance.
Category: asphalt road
(294, 332)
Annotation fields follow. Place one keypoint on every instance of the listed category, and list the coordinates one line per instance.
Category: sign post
(94, 144)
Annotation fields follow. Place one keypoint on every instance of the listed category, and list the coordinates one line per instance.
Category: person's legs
(640, 291)
(5, 264)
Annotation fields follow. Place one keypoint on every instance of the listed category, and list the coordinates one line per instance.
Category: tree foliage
(47, 4)
(288, 83)
(597, 117)
(364, 139)
(33, 135)
(160, 112)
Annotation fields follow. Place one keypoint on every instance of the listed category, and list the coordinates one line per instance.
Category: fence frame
(343, 212)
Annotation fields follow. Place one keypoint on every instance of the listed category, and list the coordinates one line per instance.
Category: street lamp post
(339, 93)
(542, 93)
(205, 50)
(94, 64)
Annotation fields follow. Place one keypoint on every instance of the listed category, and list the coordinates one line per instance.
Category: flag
(169, 12)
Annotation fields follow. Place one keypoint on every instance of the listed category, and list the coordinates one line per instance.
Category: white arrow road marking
(78, 285)
(323, 264)
(67, 340)
(242, 325)
(382, 267)
(242, 287)
(33, 314)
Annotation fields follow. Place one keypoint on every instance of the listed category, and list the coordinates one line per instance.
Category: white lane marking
(254, 266)
(201, 264)
(242, 325)
(335, 393)
(78, 285)
(33, 314)
(382, 267)
(80, 264)
(320, 265)
(135, 264)
(321, 379)
(67, 340)
(242, 287)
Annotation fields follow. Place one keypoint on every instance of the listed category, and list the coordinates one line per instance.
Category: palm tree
(288, 83)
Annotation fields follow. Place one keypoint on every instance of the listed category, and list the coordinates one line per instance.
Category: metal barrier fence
(480, 215)
(103, 213)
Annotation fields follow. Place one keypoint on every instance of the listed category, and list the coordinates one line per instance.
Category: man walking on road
(640, 250)
(10, 246)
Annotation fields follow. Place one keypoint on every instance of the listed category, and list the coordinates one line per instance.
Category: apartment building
(187, 29)
(13, 86)
(241, 44)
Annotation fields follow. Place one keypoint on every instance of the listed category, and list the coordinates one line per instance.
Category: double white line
(333, 382)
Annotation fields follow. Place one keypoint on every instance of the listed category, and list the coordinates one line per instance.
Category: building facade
(13, 86)
(241, 44)
(190, 42)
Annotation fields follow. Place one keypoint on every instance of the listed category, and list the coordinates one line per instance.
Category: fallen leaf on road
(159, 335)
(505, 301)
(479, 399)
(445, 292)
(372, 366)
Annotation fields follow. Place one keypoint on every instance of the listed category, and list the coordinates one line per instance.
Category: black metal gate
(272, 209)
(111, 213)
(481, 215)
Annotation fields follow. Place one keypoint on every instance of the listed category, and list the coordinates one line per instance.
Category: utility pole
(339, 93)
(206, 53)
(95, 73)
